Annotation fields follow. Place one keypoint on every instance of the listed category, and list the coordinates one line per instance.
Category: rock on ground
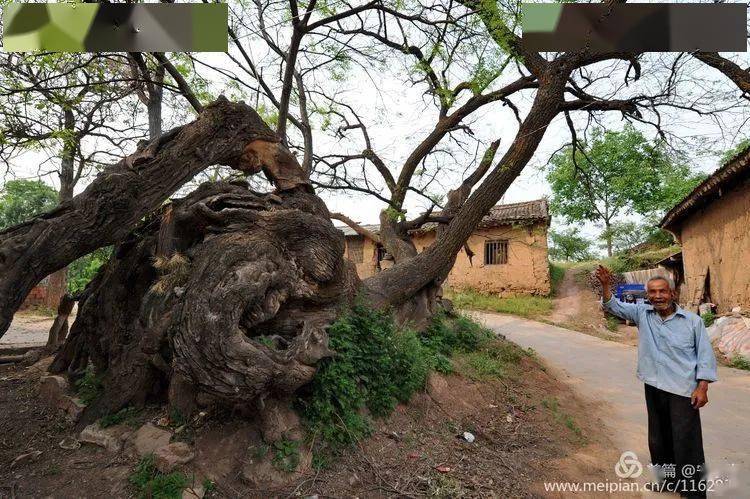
(731, 335)
(193, 492)
(55, 391)
(148, 439)
(109, 438)
(170, 456)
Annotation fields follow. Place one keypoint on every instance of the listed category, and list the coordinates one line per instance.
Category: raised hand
(603, 275)
(605, 278)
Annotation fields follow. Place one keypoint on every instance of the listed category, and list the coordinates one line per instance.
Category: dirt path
(569, 298)
(604, 372)
(577, 307)
(28, 330)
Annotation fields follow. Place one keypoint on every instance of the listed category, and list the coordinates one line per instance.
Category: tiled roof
(501, 214)
(724, 178)
(348, 231)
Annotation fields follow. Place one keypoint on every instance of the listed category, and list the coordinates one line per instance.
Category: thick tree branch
(740, 77)
(356, 227)
(119, 198)
(445, 125)
(182, 84)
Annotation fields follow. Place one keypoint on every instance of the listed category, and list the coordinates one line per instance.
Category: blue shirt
(673, 353)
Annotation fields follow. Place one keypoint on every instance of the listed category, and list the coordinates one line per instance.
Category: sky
(399, 115)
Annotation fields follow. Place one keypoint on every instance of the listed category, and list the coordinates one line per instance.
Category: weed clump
(89, 386)
(740, 362)
(708, 318)
(155, 485)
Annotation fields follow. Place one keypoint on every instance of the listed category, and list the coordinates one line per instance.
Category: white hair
(664, 278)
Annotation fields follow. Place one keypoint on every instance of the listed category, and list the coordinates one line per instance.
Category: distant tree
(616, 173)
(21, 200)
(81, 271)
(568, 245)
(624, 235)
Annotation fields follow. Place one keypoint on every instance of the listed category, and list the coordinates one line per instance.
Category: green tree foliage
(744, 144)
(21, 200)
(568, 245)
(81, 271)
(626, 235)
(616, 173)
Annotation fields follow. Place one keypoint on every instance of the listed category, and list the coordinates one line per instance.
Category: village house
(509, 247)
(712, 224)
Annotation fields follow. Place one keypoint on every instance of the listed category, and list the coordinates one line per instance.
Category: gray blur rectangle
(653, 27)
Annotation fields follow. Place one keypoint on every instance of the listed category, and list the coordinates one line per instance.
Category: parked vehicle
(631, 293)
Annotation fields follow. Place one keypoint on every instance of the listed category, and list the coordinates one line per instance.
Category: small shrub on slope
(374, 368)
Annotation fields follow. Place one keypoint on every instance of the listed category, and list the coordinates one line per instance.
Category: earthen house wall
(526, 270)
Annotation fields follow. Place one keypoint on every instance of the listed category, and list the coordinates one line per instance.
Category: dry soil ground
(529, 428)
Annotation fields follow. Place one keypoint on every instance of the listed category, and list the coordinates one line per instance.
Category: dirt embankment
(576, 307)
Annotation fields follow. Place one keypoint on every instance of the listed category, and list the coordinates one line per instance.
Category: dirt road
(28, 330)
(604, 371)
(570, 297)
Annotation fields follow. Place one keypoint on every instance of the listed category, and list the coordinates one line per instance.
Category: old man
(676, 363)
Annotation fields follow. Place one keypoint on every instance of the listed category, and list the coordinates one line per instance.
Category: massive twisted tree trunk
(223, 297)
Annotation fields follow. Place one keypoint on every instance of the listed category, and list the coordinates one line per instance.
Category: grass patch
(89, 386)
(739, 362)
(556, 275)
(496, 360)
(376, 366)
(612, 323)
(552, 404)
(523, 305)
(152, 484)
(128, 416)
(708, 318)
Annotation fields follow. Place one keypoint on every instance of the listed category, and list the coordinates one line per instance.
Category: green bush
(152, 484)
(376, 366)
(556, 275)
(708, 318)
(459, 335)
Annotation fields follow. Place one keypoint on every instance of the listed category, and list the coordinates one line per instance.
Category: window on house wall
(496, 252)
(355, 247)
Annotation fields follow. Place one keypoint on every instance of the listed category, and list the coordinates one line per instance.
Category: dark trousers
(675, 439)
